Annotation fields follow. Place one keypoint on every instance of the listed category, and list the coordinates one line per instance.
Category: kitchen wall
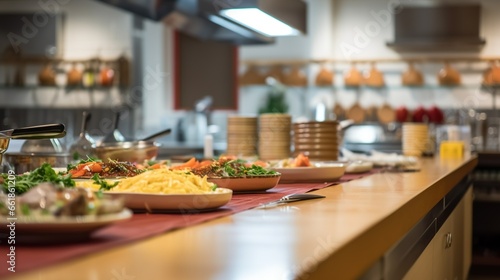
(93, 28)
(89, 29)
(334, 32)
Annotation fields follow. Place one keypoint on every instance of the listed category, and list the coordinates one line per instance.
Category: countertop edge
(383, 235)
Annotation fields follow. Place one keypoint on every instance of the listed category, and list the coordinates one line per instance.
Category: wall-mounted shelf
(388, 87)
(416, 59)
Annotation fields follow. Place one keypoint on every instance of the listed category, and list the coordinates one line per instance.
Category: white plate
(60, 230)
(175, 202)
(325, 171)
(247, 184)
(359, 167)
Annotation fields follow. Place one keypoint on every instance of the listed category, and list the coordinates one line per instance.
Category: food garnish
(44, 173)
(231, 168)
(111, 169)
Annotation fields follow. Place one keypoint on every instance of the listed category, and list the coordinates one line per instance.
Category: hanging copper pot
(374, 78)
(252, 77)
(448, 76)
(491, 76)
(74, 76)
(412, 77)
(296, 77)
(353, 78)
(276, 72)
(47, 76)
(324, 77)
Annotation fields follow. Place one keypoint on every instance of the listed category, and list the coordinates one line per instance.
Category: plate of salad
(237, 175)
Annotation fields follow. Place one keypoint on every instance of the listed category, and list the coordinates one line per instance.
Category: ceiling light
(259, 21)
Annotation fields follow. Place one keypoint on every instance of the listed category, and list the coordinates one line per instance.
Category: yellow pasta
(161, 181)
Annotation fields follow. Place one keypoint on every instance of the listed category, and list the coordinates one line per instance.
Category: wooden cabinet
(448, 255)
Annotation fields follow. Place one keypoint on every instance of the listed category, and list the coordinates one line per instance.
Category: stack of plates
(274, 136)
(317, 140)
(415, 139)
(241, 136)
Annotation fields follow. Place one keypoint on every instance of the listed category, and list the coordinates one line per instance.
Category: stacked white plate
(274, 136)
(415, 139)
(241, 136)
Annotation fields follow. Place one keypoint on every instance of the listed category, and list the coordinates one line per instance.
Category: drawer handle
(449, 240)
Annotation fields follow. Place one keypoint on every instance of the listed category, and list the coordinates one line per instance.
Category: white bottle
(208, 146)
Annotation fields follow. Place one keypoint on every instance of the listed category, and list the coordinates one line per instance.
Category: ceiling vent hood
(437, 28)
(240, 22)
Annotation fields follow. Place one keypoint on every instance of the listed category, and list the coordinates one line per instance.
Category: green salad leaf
(44, 173)
(104, 185)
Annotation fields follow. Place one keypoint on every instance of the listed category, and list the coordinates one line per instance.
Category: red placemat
(145, 225)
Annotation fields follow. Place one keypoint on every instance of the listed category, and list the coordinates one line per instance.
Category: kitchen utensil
(415, 139)
(296, 77)
(157, 135)
(492, 75)
(436, 115)
(84, 145)
(420, 115)
(324, 77)
(51, 145)
(353, 77)
(107, 76)
(25, 161)
(339, 111)
(131, 151)
(448, 76)
(402, 114)
(356, 112)
(74, 76)
(252, 77)
(291, 198)
(115, 135)
(47, 76)
(35, 132)
(386, 114)
(20, 76)
(412, 77)
(374, 78)
(276, 72)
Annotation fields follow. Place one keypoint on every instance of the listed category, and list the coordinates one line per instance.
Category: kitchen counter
(339, 237)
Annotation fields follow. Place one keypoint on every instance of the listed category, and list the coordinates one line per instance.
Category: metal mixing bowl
(131, 151)
(24, 162)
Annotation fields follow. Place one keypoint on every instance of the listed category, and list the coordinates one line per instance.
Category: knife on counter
(290, 198)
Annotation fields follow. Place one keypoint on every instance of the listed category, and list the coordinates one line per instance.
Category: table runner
(145, 225)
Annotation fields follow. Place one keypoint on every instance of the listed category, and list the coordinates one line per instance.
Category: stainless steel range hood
(205, 19)
(439, 27)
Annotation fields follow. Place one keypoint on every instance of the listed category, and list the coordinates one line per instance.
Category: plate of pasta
(164, 190)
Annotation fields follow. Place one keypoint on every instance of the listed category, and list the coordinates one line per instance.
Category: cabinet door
(467, 242)
(457, 241)
(422, 268)
(442, 253)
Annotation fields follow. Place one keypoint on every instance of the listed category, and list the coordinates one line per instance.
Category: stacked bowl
(241, 136)
(415, 139)
(274, 136)
(317, 140)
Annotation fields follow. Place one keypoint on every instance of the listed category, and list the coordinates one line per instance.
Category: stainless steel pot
(131, 151)
(24, 162)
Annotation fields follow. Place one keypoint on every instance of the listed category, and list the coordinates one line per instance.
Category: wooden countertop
(338, 237)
